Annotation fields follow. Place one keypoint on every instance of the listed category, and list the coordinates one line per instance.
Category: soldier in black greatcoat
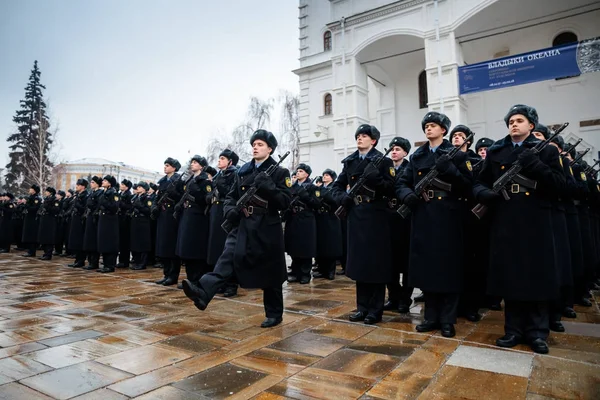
(90, 236)
(222, 182)
(141, 241)
(399, 295)
(192, 236)
(7, 209)
(437, 271)
(473, 295)
(108, 223)
(77, 225)
(166, 225)
(301, 226)
(254, 250)
(369, 260)
(152, 188)
(59, 238)
(523, 267)
(47, 214)
(125, 205)
(18, 217)
(67, 211)
(329, 228)
(30, 221)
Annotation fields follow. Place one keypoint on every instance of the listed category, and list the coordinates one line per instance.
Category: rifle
(572, 146)
(580, 156)
(341, 210)
(186, 196)
(590, 168)
(164, 195)
(513, 174)
(297, 198)
(431, 180)
(250, 192)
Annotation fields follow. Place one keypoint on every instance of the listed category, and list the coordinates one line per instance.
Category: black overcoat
(329, 228)
(90, 236)
(222, 182)
(166, 225)
(48, 220)
(192, 236)
(300, 234)
(30, 221)
(141, 240)
(77, 224)
(108, 221)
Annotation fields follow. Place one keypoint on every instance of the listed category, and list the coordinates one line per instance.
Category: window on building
(328, 104)
(327, 41)
(563, 38)
(423, 100)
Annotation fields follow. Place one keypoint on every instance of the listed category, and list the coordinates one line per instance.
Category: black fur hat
(128, 183)
(200, 160)
(528, 112)
(438, 118)
(110, 179)
(483, 142)
(97, 179)
(266, 137)
(230, 154)
(173, 163)
(559, 141)
(543, 129)
(35, 188)
(401, 142)
(82, 182)
(71, 191)
(153, 186)
(143, 185)
(464, 129)
(62, 193)
(304, 167)
(50, 190)
(331, 173)
(368, 130)
(210, 170)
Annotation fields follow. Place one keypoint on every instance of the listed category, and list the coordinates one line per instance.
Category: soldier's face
(195, 166)
(140, 190)
(327, 179)
(47, 193)
(519, 126)
(31, 191)
(364, 141)
(168, 169)
(105, 184)
(223, 162)
(79, 188)
(482, 152)
(58, 197)
(397, 153)
(458, 139)
(260, 150)
(301, 174)
(94, 185)
(434, 131)
(68, 194)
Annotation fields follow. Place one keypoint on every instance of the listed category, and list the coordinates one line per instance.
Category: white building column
(350, 102)
(442, 59)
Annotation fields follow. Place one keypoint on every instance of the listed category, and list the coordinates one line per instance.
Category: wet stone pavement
(68, 333)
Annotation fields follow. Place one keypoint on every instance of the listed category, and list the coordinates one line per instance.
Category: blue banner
(541, 65)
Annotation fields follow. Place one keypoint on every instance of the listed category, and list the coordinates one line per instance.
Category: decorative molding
(376, 13)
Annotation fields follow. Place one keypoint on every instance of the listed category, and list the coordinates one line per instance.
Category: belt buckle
(430, 194)
(250, 210)
(515, 188)
(359, 198)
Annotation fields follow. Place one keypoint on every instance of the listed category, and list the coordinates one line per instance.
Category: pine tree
(29, 162)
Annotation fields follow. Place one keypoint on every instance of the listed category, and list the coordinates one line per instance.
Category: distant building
(66, 174)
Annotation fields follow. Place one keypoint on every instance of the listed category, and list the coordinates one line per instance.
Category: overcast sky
(139, 80)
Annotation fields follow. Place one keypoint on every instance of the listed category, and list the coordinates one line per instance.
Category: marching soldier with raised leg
(254, 250)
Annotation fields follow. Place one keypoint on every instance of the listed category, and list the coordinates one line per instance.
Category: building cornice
(375, 13)
(314, 67)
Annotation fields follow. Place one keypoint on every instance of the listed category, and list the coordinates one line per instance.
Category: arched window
(327, 41)
(327, 103)
(423, 100)
(563, 38)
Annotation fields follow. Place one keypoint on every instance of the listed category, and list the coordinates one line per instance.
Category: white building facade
(387, 63)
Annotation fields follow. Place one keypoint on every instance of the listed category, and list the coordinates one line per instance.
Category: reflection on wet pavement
(72, 334)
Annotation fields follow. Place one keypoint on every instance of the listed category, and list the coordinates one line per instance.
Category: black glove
(412, 201)
(232, 216)
(528, 158)
(371, 171)
(303, 194)
(347, 201)
(444, 164)
(487, 196)
(264, 182)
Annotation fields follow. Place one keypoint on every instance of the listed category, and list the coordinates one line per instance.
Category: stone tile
(194, 343)
(19, 367)
(310, 343)
(359, 363)
(75, 380)
(69, 354)
(389, 342)
(275, 362)
(564, 379)
(341, 330)
(502, 362)
(141, 384)
(139, 336)
(101, 394)
(143, 359)
(313, 383)
(582, 329)
(220, 382)
(15, 391)
(171, 393)
(70, 338)
(465, 383)
(20, 349)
